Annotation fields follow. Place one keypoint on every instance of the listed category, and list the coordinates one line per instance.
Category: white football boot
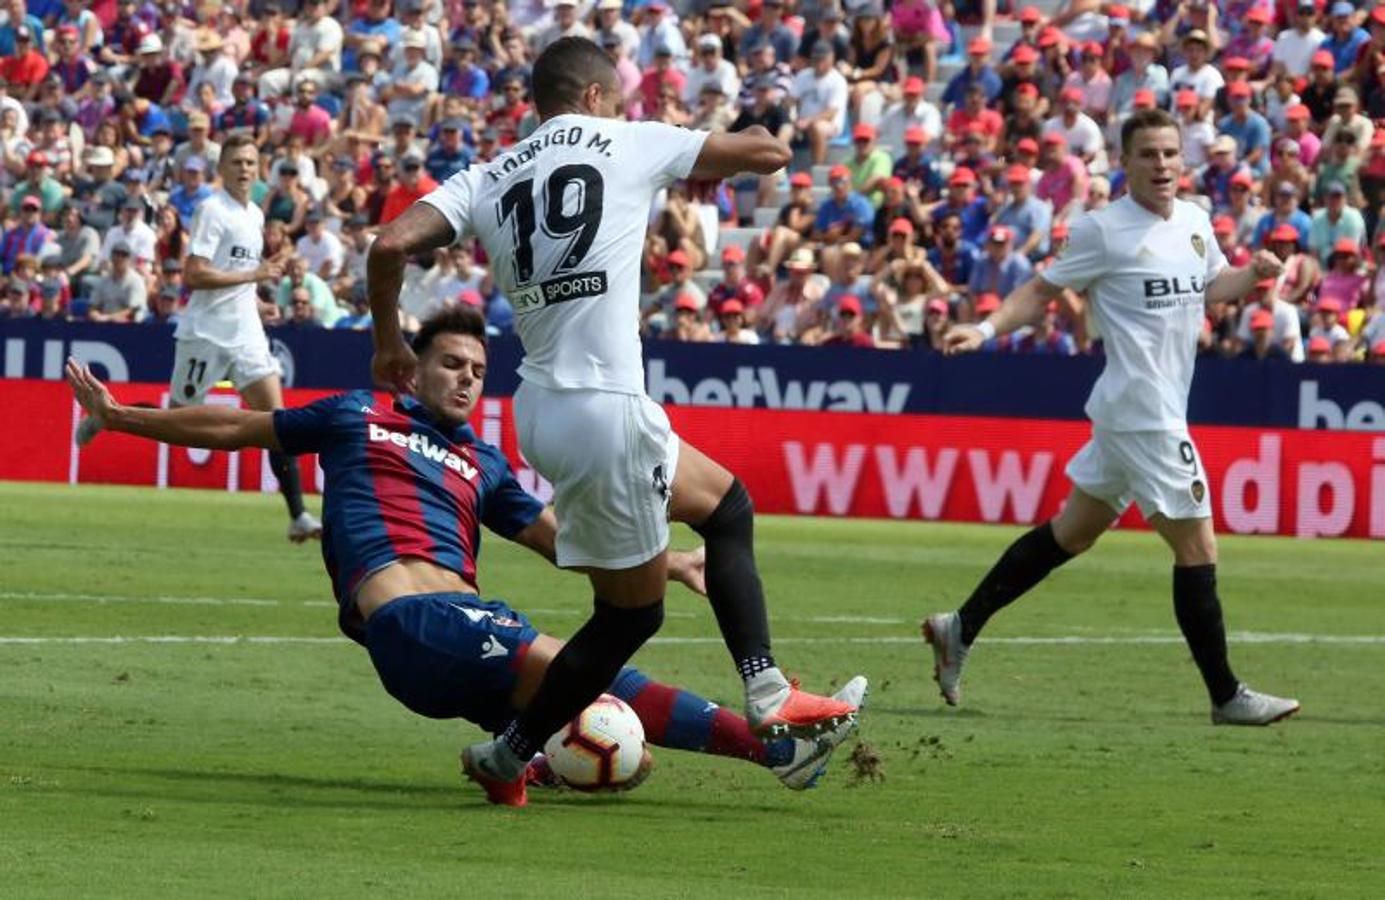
(943, 631)
(305, 527)
(1253, 708)
(810, 756)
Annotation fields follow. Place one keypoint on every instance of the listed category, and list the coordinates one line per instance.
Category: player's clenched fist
(269, 271)
(394, 365)
(962, 339)
(1266, 264)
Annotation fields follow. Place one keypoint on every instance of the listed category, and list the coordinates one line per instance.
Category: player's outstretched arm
(688, 567)
(213, 426)
(1023, 306)
(1233, 284)
(729, 153)
(201, 276)
(420, 229)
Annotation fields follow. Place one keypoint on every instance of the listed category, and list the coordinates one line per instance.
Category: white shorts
(198, 364)
(611, 459)
(1159, 470)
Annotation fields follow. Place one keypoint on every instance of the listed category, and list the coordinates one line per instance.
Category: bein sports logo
(423, 446)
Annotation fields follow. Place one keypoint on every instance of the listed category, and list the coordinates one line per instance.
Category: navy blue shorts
(450, 656)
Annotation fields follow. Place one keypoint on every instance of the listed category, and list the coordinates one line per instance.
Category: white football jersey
(562, 215)
(230, 236)
(1147, 278)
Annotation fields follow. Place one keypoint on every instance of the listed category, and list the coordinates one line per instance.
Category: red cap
(1093, 48)
(470, 297)
(1059, 230)
(915, 135)
(1234, 63)
(1320, 344)
(1050, 37)
(838, 171)
(679, 258)
(978, 47)
(800, 179)
(1026, 145)
(849, 303)
(30, 202)
(1283, 233)
(37, 158)
(1378, 348)
(864, 131)
(1329, 304)
(1000, 234)
(733, 254)
(894, 181)
(1185, 99)
(1238, 89)
(1346, 245)
(1378, 15)
(1223, 225)
(1056, 138)
(67, 30)
(1261, 319)
(1145, 99)
(731, 307)
(1258, 14)
(987, 303)
(1030, 14)
(1071, 93)
(913, 85)
(1024, 54)
(1117, 11)
(1243, 178)
(937, 304)
(685, 301)
(1017, 174)
(1264, 284)
(1324, 59)
(1185, 183)
(1297, 111)
(1027, 89)
(901, 226)
(963, 175)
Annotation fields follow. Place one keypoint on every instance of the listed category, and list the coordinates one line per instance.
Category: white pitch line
(1242, 637)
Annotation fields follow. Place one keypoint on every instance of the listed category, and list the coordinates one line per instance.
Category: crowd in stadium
(899, 215)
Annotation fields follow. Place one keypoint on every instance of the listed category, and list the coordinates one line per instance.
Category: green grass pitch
(1080, 768)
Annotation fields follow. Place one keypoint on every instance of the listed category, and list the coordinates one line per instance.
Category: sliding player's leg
(716, 505)
(255, 376)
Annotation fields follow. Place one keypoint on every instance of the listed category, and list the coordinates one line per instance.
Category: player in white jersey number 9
(1149, 264)
(562, 215)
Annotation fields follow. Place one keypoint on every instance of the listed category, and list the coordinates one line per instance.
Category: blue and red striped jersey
(399, 484)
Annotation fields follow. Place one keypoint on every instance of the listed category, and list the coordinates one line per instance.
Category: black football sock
(733, 583)
(1198, 610)
(1024, 564)
(585, 667)
(285, 468)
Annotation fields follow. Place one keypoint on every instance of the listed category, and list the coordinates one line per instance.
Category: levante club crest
(1199, 246)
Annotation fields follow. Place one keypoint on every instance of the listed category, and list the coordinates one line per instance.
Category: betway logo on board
(420, 443)
(761, 386)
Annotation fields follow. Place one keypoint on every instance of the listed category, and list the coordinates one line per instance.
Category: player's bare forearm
(200, 275)
(729, 153)
(1233, 284)
(1024, 305)
(419, 229)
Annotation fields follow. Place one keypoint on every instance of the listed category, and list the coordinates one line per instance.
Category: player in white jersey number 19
(1149, 264)
(562, 215)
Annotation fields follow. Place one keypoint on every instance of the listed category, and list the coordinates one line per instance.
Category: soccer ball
(602, 749)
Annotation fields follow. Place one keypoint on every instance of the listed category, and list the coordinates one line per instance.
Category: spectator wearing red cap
(870, 165)
(1250, 130)
(1092, 80)
(1296, 121)
(999, 269)
(1320, 350)
(1081, 134)
(1336, 221)
(1144, 73)
(659, 315)
(1295, 47)
(1285, 330)
(899, 210)
(1321, 90)
(1198, 133)
(850, 326)
(1064, 180)
(687, 325)
(1026, 216)
(1343, 281)
(1327, 323)
(1284, 211)
(919, 31)
(1024, 122)
(1224, 230)
(735, 285)
(1301, 268)
(39, 182)
(917, 168)
(1022, 75)
(731, 321)
(978, 71)
(844, 215)
(909, 115)
(820, 94)
(1261, 345)
(963, 200)
(973, 115)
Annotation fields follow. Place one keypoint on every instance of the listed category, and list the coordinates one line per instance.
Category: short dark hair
(565, 69)
(1144, 119)
(235, 142)
(458, 319)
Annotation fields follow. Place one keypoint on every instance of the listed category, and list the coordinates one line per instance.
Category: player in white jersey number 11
(1149, 264)
(562, 215)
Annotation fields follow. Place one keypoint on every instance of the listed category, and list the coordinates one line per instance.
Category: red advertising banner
(960, 469)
